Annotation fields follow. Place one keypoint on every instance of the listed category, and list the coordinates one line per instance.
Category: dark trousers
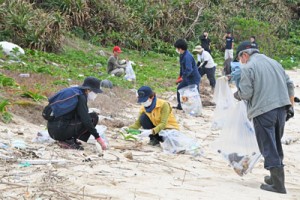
(182, 85)
(65, 130)
(269, 128)
(147, 124)
(210, 73)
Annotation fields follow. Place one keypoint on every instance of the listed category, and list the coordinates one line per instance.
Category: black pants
(62, 130)
(210, 73)
(269, 128)
(147, 124)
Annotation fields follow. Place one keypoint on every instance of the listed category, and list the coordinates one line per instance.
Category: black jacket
(81, 113)
(205, 42)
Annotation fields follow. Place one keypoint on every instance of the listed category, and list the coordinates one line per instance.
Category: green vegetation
(62, 39)
(5, 116)
(6, 81)
(33, 95)
(152, 25)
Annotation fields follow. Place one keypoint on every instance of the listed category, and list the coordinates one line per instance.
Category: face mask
(177, 51)
(92, 96)
(147, 103)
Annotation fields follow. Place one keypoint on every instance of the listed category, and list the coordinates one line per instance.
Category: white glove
(145, 133)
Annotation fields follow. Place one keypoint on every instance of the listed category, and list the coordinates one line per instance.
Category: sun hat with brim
(91, 83)
(198, 49)
(144, 93)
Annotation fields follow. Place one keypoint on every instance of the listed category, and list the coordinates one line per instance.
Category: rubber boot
(277, 176)
(268, 180)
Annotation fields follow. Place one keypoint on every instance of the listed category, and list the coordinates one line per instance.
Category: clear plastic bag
(237, 142)
(190, 100)
(130, 75)
(224, 100)
(176, 142)
(43, 137)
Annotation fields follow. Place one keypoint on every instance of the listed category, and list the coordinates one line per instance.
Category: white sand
(151, 174)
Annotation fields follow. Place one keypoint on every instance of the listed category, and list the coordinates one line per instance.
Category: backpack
(48, 113)
(61, 103)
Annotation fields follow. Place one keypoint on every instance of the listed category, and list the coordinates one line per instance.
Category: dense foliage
(153, 24)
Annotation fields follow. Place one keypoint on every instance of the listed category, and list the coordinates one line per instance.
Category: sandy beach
(149, 174)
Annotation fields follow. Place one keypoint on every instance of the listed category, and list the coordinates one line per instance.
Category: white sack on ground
(176, 142)
(43, 137)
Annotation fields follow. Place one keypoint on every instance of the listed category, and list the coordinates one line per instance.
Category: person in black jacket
(77, 124)
(205, 42)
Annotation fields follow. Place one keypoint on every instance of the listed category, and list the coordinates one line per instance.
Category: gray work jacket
(265, 85)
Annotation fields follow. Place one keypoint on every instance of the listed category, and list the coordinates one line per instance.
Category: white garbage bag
(130, 75)
(9, 48)
(176, 142)
(237, 142)
(190, 100)
(43, 137)
(224, 100)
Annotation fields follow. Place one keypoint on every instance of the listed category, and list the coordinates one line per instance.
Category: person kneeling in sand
(114, 67)
(155, 115)
(70, 119)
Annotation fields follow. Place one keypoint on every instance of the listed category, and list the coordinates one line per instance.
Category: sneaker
(69, 144)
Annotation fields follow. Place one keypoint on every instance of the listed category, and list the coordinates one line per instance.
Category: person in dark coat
(188, 69)
(71, 119)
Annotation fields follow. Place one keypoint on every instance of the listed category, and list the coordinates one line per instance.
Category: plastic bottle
(19, 144)
(3, 146)
(24, 75)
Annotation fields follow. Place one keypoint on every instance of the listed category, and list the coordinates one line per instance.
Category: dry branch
(192, 27)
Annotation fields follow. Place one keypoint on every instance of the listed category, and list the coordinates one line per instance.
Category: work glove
(237, 96)
(198, 64)
(145, 133)
(179, 79)
(101, 142)
(290, 113)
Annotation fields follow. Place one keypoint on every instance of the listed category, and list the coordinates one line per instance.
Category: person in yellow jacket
(155, 115)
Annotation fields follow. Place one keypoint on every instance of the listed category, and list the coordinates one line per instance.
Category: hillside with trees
(154, 25)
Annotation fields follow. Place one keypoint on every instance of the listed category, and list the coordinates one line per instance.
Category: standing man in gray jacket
(269, 93)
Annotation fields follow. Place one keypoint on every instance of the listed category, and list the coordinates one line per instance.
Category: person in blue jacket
(188, 69)
(235, 72)
(71, 120)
